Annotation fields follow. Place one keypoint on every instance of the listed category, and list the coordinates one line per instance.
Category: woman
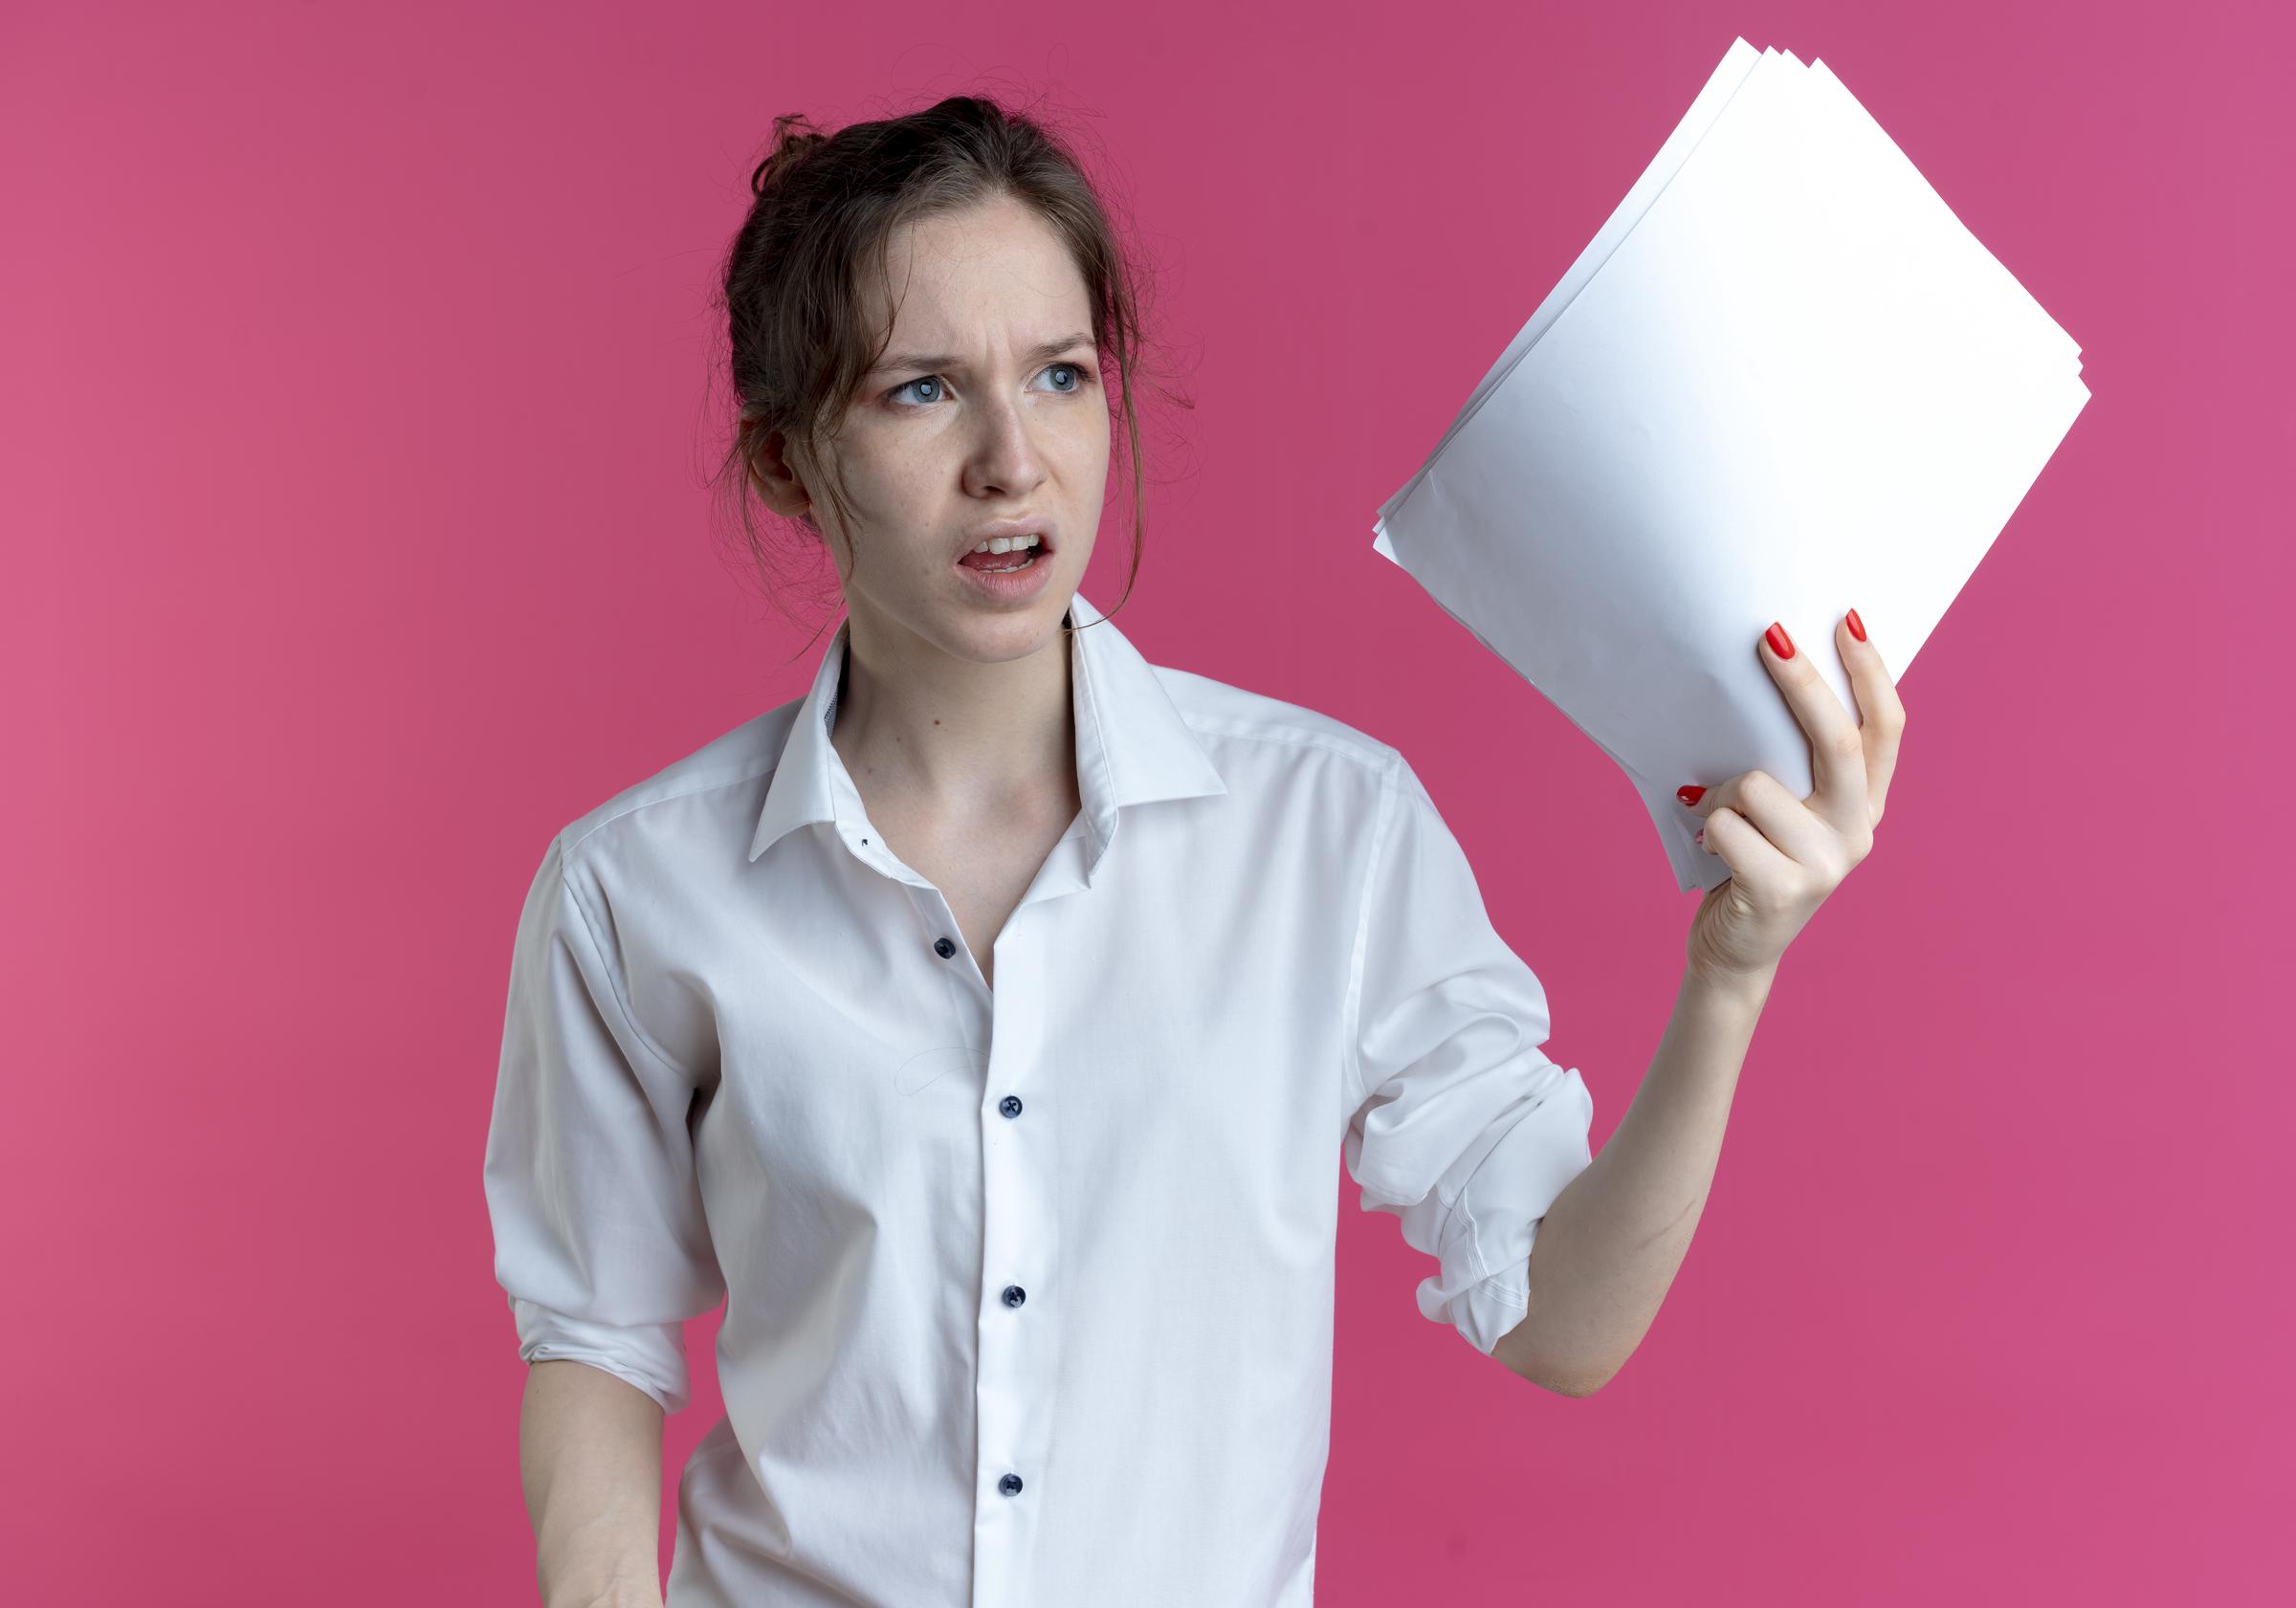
(979, 1026)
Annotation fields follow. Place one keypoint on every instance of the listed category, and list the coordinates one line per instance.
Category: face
(983, 409)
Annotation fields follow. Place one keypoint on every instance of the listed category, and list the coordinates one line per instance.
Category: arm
(591, 1459)
(1611, 1244)
(1613, 1239)
(601, 1244)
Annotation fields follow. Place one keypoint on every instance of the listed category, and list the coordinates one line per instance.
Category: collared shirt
(1028, 1288)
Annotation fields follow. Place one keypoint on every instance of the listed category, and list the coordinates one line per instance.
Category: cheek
(896, 485)
(1082, 447)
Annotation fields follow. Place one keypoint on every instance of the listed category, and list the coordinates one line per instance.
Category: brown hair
(824, 205)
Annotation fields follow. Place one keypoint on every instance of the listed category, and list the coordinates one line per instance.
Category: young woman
(980, 1026)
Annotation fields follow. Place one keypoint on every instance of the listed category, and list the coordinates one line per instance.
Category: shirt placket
(1018, 1329)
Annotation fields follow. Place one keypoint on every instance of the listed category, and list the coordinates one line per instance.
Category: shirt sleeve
(599, 1240)
(1462, 1128)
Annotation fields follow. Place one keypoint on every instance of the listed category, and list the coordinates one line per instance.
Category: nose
(1006, 458)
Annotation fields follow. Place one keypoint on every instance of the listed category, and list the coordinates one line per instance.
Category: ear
(777, 482)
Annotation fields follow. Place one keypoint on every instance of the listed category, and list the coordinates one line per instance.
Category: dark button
(1014, 1296)
(1009, 1485)
(943, 948)
(1010, 1105)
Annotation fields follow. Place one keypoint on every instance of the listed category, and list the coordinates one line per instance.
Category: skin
(954, 722)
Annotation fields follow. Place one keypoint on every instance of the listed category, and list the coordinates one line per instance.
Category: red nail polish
(1781, 643)
(1688, 794)
(1857, 627)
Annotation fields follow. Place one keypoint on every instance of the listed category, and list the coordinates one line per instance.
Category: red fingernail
(1857, 627)
(1781, 643)
(1689, 795)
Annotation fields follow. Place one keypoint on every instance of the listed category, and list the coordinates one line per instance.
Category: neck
(955, 735)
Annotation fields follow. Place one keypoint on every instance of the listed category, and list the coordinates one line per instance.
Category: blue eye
(1081, 372)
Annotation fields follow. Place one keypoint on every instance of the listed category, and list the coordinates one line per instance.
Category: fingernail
(1689, 794)
(1700, 838)
(1857, 627)
(1781, 643)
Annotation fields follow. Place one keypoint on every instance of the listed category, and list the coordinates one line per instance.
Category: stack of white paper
(1782, 381)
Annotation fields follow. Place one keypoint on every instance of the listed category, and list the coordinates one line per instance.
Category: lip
(1041, 528)
(1010, 587)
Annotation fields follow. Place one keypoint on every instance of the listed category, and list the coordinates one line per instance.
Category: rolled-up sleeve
(1463, 1127)
(599, 1240)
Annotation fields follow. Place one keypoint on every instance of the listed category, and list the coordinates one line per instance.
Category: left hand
(1786, 854)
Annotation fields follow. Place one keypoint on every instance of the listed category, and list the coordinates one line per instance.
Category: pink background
(357, 392)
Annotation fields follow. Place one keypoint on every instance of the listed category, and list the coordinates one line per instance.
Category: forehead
(992, 277)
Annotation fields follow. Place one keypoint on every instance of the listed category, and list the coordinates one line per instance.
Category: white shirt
(1028, 1291)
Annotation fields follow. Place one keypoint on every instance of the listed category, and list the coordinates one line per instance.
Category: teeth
(1006, 543)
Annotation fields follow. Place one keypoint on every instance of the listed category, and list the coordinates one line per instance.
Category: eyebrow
(919, 360)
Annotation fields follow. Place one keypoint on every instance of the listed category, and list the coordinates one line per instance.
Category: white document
(1782, 379)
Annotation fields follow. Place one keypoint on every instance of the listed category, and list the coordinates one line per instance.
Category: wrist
(615, 1593)
(1747, 991)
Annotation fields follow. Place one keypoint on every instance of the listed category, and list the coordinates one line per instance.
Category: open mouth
(1002, 556)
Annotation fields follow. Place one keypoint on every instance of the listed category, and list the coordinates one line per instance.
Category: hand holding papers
(1782, 379)
(1787, 854)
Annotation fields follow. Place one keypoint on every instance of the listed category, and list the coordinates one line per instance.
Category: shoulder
(721, 784)
(1237, 724)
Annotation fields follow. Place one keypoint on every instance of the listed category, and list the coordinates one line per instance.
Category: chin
(993, 635)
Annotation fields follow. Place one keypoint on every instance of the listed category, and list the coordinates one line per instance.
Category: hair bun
(794, 135)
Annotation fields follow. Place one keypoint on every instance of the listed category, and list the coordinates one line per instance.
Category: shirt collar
(1132, 745)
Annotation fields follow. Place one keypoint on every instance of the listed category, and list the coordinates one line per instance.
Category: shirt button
(1009, 1485)
(1010, 1105)
(943, 948)
(1014, 1296)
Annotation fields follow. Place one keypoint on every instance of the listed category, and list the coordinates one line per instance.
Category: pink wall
(356, 394)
